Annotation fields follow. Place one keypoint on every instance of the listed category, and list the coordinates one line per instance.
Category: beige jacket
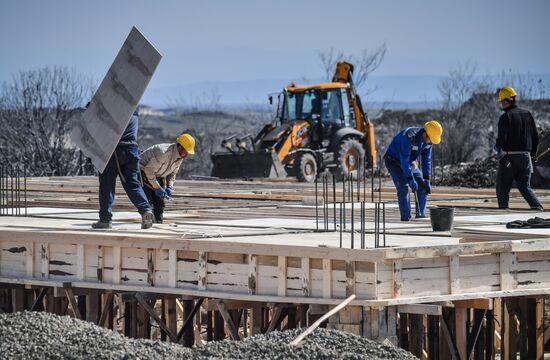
(159, 161)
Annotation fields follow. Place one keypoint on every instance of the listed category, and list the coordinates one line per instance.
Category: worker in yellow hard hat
(518, 139)
(406, 147)
(159, 165)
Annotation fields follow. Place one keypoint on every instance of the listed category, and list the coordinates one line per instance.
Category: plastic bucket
(442, 218)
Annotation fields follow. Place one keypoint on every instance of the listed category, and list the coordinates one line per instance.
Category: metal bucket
(442, 218)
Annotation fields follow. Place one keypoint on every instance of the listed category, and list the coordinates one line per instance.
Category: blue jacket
(407, 146)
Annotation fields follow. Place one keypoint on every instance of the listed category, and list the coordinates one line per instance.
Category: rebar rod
(334, 198)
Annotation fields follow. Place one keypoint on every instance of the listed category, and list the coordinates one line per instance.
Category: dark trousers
(157, 203)
(518, 168)
(401, 184)
(128, 161)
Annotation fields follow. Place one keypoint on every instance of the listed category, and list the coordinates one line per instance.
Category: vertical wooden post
(203, 271)
(281, 274)
(327, 278)
(433, 337)
(490, 335)
(403, 334)
(188, 336)
(256, 319)
(461, 332)
(219, 331)
(252, 273)
(171, 315)
(416, 334)
(535, 328)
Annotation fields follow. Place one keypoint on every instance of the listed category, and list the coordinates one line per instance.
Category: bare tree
(35, 111)
(364, 64)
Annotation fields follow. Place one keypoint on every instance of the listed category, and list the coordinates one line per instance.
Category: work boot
(147, 220)
(102, 225)
(538, 208)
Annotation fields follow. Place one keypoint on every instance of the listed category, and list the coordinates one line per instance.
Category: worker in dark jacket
(125, 163)
(518, 139)
(406, 147)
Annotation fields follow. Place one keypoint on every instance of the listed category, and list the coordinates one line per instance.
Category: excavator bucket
(247, 164)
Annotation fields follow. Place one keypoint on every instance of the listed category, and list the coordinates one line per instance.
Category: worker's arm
(427, 163)
(404, 156)
(534, 137)
(503, 127)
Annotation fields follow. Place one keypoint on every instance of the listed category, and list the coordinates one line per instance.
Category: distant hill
(393, 92)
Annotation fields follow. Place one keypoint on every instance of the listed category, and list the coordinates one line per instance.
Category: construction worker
(518, 139)
(159, 166)
(405, 148)
(125, 163)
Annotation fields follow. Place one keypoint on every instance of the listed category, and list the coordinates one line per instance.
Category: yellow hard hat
(434, 131)
(506, 92)
(187, 142)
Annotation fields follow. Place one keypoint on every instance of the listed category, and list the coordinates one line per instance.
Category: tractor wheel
(306, 168)
(351, 158)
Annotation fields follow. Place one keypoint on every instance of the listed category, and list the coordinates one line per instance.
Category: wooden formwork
(437, 301)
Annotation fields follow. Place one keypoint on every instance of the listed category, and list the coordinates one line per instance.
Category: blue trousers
(516, 167)
(128, 160)
(401, 184)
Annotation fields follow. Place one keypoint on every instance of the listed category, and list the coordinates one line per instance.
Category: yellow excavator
(317, 127)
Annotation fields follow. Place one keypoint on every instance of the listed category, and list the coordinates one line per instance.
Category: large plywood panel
(98, 130)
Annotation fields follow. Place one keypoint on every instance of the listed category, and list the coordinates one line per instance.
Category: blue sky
(228, 41)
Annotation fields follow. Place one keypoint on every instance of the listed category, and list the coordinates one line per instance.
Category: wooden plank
(454, 275)
(420, 309)
(256, 319)
(461, 332)
(29, 262)
(80, 262)
(475, 304)
(202, 271)
(172, 268)
(233, 331)
(397, 277)
(350, 278)
(305, 276)
(507, 271)
(154, 316)
(281, 276)
(150, 267)
(72, 302)
(105, 309)
(327, 278)
(116, 265)
(45, 260)
(252, 273)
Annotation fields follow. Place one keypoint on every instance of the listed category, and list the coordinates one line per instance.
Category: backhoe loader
(316, 128)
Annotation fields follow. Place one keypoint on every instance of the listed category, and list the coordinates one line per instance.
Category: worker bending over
(159, 165)
(405, 148)
(518, 139)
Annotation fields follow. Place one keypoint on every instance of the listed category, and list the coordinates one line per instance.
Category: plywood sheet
(98, 130)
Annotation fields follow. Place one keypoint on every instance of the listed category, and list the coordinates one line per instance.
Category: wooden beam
(507, 271)
(350, 278)
(252, 273)
(203, 272)
(454, 274)
(306, 275)
(461, 332)
(449, 338)
(484, 304)
(281, 275)
(172, 268)
(187, 324)
(72, 301)
(154, 316)
(397, 277)
(233, 331)
(39, 299)
(105, 309)
(80, 262)
(29, 260)
(45, 260)
(420, 309)
(275, 318)
(116, 265)
(327, 278)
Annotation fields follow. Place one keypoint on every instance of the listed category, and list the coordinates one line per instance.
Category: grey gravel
(40, 335)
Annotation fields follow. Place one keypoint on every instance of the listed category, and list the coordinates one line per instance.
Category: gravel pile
(39, 335)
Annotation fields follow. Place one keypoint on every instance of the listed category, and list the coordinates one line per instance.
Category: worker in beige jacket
(159, 165)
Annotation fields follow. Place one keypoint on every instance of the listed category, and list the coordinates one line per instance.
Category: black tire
(350, 158)
(306, 168)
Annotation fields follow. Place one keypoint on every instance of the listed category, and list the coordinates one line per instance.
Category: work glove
(169, 191)
(427, 186)
(160, 193)
(412, 183)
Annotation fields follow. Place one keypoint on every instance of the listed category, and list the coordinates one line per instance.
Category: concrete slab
(98, 130)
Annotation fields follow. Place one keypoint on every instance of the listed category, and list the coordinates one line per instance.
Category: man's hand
(412, 183)
(169, 191)
(160, 193)
(427, 186)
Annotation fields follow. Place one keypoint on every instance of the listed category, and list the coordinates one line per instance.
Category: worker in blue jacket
(406, 147)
